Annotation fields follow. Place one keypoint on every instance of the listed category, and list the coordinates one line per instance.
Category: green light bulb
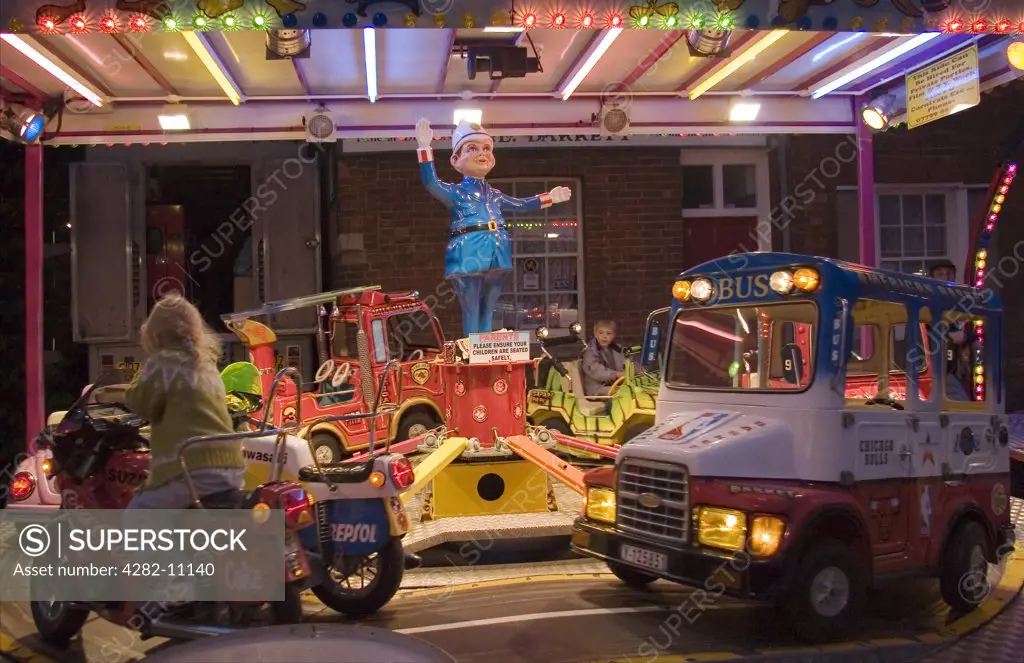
(259, 21)
(644, 20)
(229, 21)
(200, 22)
(170, 24)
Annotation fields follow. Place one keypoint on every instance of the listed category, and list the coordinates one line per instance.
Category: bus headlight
(722, 528)
(701, 290)
(807, 279)
(766, 535)
(601, 505)
(681, 290)
(782, 282)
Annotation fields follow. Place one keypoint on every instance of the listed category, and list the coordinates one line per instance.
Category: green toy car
(560, 404)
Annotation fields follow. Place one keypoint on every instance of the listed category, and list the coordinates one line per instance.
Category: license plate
(645, 558)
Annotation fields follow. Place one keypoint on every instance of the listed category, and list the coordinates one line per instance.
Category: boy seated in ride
(180, 392)
(959, 343)
(603, 361)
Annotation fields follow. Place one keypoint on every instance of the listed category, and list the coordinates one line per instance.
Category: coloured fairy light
(1002, 188)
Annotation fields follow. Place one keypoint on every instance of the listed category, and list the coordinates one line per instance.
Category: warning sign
(499, 347)
(946, 87)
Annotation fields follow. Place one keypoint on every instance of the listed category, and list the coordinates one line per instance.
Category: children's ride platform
(487, 474)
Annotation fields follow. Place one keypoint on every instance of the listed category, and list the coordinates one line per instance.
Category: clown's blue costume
(478, 259)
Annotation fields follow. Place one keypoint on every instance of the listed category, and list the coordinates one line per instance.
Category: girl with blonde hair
(179, 391)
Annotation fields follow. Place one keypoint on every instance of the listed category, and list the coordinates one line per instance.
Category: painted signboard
(499, 347)
(949, 86)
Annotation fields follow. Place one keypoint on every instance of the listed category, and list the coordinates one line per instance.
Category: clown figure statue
(478, 259)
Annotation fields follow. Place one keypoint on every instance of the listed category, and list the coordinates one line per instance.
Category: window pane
(936, 241)
(913, 241)
(913, 210)
(891, 242)
(562, 274)
(563, 310)
(505, 311)
(935, 209)
(527, 235)
(561, 236)
(889, 210)
(698, 187)
(529, 274)
(529, 311)
(739, 188)
(525, 188)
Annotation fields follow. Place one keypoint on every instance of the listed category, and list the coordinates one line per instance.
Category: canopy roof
(378, 82)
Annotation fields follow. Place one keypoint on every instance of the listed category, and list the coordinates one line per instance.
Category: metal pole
(35, 416)
(865, 188)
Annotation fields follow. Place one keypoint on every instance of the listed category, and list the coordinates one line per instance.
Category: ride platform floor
(572, 611)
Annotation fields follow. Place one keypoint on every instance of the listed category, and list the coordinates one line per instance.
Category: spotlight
(880, 112)
(288, 43)
(743, 111)
(708, 43)
(22, 124)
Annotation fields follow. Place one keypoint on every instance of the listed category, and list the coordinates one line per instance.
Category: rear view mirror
(792, 364)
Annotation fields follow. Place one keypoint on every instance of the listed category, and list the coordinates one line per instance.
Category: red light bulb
(78, 24)
(138, 23)
(1003, 26)
(529, 20)
(558, 19)
(955, 25)
(47, 24)
(108, 24)
(615, 20)
(981, 25)
(587, 21)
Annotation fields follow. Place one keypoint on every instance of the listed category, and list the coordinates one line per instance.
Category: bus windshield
(763, 348)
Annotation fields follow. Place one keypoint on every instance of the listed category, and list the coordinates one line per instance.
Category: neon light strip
(607, 39)
(370, 56)
(733, 65)
(52, 67)
(854, 37)
(208, 59)
(875, 63)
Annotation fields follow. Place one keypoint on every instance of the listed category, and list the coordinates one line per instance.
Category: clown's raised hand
(423, 133)
(561, 194)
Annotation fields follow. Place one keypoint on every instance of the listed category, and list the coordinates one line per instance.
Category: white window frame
(957, 232)
(576, 185)
(717, 158)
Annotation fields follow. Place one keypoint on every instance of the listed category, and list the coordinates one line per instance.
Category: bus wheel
(828, 592)
(326, 448)
(963, 573)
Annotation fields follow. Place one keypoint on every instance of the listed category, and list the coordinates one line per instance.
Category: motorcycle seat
(225, 499)
(339, 473)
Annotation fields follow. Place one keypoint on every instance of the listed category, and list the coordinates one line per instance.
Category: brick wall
(960, 148)
(632, 235)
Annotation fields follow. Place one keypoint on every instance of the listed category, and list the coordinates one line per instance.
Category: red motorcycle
(100, 458)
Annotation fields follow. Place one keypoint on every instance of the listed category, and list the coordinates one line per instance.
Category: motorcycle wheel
(58, 621)
(387, 566)
(288, 611)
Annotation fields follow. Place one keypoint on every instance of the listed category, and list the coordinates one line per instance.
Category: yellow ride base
(487, 489)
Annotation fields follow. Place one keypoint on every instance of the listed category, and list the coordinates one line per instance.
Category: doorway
(198, 237)
(709, 238)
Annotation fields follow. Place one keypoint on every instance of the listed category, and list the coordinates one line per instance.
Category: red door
(710, 238)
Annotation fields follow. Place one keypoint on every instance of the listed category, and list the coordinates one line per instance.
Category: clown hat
(467, 131)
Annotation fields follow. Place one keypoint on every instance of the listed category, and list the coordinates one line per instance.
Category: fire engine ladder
(295, 303)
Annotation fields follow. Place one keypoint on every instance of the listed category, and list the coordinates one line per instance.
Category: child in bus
(179, 391)
(603, 361)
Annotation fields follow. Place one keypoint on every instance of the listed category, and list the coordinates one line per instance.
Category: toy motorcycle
(99, 459)
(360, 516)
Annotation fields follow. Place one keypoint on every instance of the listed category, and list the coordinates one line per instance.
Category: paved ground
(570, 611)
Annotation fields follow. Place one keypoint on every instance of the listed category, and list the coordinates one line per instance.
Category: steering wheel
(341, 375)
(615, 385)
(884, 401)
(325, 370)
(413, 355)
